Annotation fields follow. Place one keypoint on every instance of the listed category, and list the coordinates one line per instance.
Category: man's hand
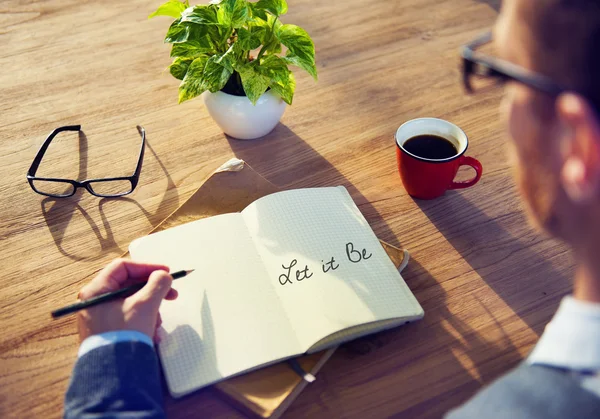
(136, 312)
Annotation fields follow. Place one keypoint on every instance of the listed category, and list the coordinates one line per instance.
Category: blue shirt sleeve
(108, 338)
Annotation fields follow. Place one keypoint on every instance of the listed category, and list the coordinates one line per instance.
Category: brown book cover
(267, 392)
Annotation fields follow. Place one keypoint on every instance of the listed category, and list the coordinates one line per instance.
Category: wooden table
(487, 281)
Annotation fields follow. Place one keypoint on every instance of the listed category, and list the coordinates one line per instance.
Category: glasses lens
(483, 79)
(111, 187)
(53, 187)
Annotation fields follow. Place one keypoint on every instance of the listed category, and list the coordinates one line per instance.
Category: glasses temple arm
(138, 168)
(40, 154)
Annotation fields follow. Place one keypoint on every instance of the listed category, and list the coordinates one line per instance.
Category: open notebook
(294, 272)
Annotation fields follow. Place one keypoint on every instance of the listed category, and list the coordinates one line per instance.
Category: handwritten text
(291, 273)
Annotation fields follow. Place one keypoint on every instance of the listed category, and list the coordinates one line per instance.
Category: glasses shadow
(170, 198)
(58, 215)
(287, 161)
(59, 212)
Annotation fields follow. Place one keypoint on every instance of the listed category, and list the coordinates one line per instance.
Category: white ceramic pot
(239, 118)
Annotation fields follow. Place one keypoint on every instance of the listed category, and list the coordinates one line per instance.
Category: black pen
(109, 296)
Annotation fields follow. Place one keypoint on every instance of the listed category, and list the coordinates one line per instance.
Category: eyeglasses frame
(133, 179)
(502, 69)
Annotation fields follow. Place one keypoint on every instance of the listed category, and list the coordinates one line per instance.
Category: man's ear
(580, 159)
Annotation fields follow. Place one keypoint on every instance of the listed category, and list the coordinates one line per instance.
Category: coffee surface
(430, 147)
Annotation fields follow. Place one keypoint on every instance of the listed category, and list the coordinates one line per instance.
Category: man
(553, 116)
(555, 133)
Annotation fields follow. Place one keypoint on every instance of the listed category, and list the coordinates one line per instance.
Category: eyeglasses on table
(103, 187)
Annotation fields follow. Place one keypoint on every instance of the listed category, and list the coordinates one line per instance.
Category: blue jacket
(116, 381)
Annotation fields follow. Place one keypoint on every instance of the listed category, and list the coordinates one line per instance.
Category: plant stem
(225, 45)
(262, 51)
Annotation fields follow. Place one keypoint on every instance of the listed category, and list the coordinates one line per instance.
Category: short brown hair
(567, 42)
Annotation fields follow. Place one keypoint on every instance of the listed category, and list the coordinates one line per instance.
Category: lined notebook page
(227, 318)
(306, 228)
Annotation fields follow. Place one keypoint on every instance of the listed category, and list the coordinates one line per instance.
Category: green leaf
(285, 90)
(259, 29)
(273, 65)
(248, 40)
(268, 25)
(254, 82)
(301, 50)
(200, 14)
(275, 7)
(205, 18)
(282, 80)
(193, 82)
(192, 48)
(273, 47)
(274, 23)
(257, 12)
(230, 58)
(179, 67)
(233, 13)
(308, 66)
(177, 32)
(215, 74)
(258, 32)
(264, 29)
(171, 8)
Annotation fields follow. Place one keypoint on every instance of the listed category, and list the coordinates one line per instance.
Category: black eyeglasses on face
(63, 188)
(480, 70)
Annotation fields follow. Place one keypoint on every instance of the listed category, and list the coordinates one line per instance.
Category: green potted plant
(236, 54)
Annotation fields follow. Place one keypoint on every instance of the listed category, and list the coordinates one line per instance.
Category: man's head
(556, 139)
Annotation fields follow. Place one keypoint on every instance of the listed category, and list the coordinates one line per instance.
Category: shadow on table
(489, 249)
(440, 360)
(59, 212)
(164, 207)
(286, 160)
(453, 349)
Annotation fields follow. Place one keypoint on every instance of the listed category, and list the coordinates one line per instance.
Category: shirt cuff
(572, 339)
(109, 338)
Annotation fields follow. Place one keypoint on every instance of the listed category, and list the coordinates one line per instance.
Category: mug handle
(468, 161)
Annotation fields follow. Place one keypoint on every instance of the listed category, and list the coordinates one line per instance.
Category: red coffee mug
(428, 178)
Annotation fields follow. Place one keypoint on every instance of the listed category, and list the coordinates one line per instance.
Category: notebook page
(227, 318)
(325, 262)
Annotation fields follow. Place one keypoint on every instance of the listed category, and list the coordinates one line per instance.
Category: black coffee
(430, 147)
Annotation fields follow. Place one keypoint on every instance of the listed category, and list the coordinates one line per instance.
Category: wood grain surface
(487, 281)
